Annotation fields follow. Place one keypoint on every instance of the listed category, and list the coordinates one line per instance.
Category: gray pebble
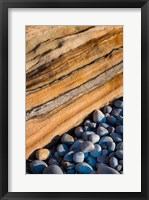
(94, 138)
(87, 146)
(37, 166)
(103, 159)
(104, 125)
(120, 162)
(97, 151)
(69, 156)
(67, 139)
(53, 161)
(116, 137)
(101, 131)
(78, 131)
(119, 146)
(119, 130)
(62, 149)
(98, 116)
(111, 129)
(118, 104)
(111, 146)
(52, 169)
(106, 170)
(119, 154)
(119, 168)
(78, 157)
(86, 155)
(87, 128)
(83, 168)
(105, 140)
(76, 145)
(107, 109)
(116, 112)
(113, 162)
(112, 154)
(119, 121)
(87, 122)
(104, 152)
(111, 120)
(86, 134)
(93, 125)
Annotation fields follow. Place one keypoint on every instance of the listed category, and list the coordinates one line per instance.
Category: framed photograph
(74, 99)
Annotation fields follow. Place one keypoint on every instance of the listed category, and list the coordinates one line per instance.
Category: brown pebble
(42, 154)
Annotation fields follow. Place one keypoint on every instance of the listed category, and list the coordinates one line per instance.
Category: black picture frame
(4, 6)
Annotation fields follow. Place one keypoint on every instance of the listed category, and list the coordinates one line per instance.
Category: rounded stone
(83, 168)
(56, 155)
(94, 138)
(69, 156)
(62, 149)
(105, 152)
(78, 131)
(76, 145)
(111, 129)
(87, 122)
(43, 154)
(97, 151)
(111, 146)
(119, 168)
(98, 116)
(107, 109)
(106, 170)
(53, 169)
(116, 112)
(119, 154)
(119, 146)
(53, 161)
(91, 161)
(87, 146)
(78, 157)
(86, 155)
(119, 130)
(120, 162)
(37, 166)
(112, 154)
(101, 131)
(67, 139)
(116, 137)
(67, 165)
(93, 125)
(86, 134)
(118, 104)
(105, 140)
(87, 128)
(103, 159)
(111, 120)
(71, 171)
(119, 121)
(113, 162)
(104, 125)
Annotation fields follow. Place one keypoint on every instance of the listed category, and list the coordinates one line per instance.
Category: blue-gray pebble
(86, 134)
(119, 146)
(118, 104)
(94, 138)
(37, 166)
(119, 154)
(101, 131)
(62, 149)
(106, 170)
(52, 169)
(113, 162)
(78, 157)
(87, 146)
(76, 145)
(83, 168)
(111, 146)
(69, 156)
(91, 161)
(53, 161)
(103, 159)
(98, 116)
(67, 139)
(97, 151)
(78, 131)
(111, 120)
(107, 109)
(116, 137)
(105, 140)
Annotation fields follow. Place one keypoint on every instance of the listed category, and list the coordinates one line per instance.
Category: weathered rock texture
(70, 71)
